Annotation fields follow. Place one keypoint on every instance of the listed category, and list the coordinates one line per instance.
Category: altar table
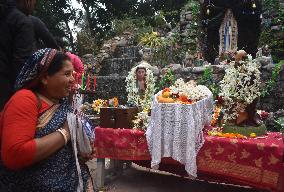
(254, 162)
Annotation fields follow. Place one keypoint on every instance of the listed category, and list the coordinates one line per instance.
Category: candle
(88, 83)
(83, 79)
(95, 83)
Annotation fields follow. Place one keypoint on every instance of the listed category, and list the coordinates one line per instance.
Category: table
(254, 162)
(175, 130)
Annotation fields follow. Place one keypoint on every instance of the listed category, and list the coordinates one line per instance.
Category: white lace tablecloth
(175, 130)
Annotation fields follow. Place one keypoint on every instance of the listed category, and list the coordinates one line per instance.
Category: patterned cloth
(35, 66)
(256, 162)
(175, 130)
(58, 172)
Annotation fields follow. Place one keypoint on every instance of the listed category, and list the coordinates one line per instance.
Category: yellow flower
(252, 135)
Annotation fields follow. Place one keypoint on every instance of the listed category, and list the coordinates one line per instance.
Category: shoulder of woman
(24, 96)
(23, 104)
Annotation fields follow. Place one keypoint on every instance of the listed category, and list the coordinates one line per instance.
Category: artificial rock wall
(111, 79)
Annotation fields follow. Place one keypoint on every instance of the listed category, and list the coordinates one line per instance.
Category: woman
(76, 61)
(36, 152)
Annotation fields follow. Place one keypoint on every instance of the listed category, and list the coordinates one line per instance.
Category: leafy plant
(165, 49)
(85, 43)
(273, 16)
(167, 80)
(270, 84)
(151, 40)
(279, 124)
(208, 81)
(121, 25)
(194, 31)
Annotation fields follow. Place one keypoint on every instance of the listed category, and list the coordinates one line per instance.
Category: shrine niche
(230, 25)
(228, 33)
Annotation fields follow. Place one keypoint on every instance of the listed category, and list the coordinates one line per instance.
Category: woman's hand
(66, 127)
(84, 157)
(49, 144)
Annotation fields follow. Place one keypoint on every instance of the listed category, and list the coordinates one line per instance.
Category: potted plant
(280, 125)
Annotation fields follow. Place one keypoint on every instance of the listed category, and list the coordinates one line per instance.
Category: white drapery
(175, 130)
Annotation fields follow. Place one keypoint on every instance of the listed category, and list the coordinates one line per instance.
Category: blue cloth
(32, 68)
(56, 173)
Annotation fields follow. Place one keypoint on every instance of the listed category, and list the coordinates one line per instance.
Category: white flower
(133, 96)
(190, 89)
(238, 89)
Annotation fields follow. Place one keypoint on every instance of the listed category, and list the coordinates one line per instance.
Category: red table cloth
(254, 162)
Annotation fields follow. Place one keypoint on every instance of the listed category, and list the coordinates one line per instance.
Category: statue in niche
(141, 80)
(140, 86)
(228, 33)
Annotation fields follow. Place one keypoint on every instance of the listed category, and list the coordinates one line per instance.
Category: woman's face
(140, 74)
(60, 84)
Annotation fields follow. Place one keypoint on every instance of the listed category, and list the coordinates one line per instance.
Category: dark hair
(140, 68)
(26, 6)
(57, 62)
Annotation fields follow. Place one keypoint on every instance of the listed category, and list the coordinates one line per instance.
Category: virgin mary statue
(228, 33)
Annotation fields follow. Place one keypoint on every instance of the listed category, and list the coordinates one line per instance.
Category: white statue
(228, 33)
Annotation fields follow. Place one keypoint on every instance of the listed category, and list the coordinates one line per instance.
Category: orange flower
(166, 90)
(232, 135)
(217, 111)
(213, 122)
(183, 98)
(115, 102)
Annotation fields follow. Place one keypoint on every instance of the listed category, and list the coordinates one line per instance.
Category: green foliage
(152, 40)
(101, 14)
(165, 49)
(121, 25)
(136, 26)
(273, 16)
(279, 124)
(193, 32)
(270, 84)
(57, 15)
(167, 80)
(85, 43)
(208, 81)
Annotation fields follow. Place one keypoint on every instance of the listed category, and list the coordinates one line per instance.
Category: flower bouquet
(240, 88)
(99, 103)
(183, 93)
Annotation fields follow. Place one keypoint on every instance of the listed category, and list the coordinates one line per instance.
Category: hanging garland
(134, 97)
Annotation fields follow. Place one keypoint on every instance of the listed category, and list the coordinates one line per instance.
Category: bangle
(64, 134)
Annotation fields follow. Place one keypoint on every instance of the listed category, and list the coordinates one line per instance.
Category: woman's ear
(44, 80)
